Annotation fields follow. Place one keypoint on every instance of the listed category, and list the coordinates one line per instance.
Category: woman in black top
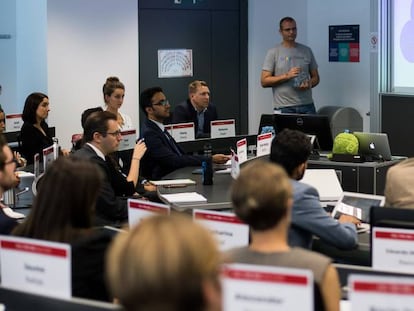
(62, 212)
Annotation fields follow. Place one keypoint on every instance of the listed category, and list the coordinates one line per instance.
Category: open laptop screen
(317, 125)
(374, 145)
(357, 204)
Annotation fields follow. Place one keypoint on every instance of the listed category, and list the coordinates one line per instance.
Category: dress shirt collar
(159, 124)
(97, 151)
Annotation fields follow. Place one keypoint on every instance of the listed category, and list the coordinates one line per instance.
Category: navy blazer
(160, 157)
(110, 207)
(185, 112)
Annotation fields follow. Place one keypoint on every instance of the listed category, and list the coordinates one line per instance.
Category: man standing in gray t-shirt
(290, 69)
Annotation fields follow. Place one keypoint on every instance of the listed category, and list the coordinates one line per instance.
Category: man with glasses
(163, 155)
(290, 69)
(8, 180)
(197, 108)
(102, 137)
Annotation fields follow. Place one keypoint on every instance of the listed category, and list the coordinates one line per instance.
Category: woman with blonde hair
(166, 263)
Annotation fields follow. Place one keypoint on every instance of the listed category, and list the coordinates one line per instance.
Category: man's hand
(348, 218)
(220, 158)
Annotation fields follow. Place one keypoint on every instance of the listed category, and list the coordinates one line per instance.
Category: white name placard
(183, 131)
(254, 287)
(264, 142)
(36, 266)
(242, 150)
(49, 155)
(14, 122)
(393, 249)
(229, 230)
(223, 128)
(368, 293)
(138, 209)
(128, 141)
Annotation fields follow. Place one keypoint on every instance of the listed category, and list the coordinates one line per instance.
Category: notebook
(357, 204)
(374, 146)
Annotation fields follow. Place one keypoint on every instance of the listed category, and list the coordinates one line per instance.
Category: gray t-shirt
(278, 61)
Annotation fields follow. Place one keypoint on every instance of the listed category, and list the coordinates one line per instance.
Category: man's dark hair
(290, 148)
(285, 19)
(146, 96)
(87, 113)
(97, 122)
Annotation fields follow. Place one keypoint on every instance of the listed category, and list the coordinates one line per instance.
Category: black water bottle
(207, 169)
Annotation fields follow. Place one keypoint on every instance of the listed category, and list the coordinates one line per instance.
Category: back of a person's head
(86, 113)
(146, 96)
(290, 148)
(399, 190)
(260, 194)
(65, 201)
(97, 122)
(161, 264)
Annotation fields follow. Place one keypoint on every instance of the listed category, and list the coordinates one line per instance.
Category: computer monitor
(312, 124)
(374, 146)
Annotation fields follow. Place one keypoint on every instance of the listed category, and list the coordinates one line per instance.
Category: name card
(235, 165)
(393, 249)
(223, 128)
(246, 287)
(14, 122)
(242, 150)
(139, 209)
(36, 165)
(264, 142)
(229, 230)
(183, 131)
(49, 155)
(368, 293)
(36, 266)
(128, 141)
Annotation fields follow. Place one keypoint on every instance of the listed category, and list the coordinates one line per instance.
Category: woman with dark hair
(62, 212)
(34, 133)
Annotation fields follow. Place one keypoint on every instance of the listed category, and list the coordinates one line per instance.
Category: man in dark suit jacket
(197, 108)
(163, 155)
(102, 137)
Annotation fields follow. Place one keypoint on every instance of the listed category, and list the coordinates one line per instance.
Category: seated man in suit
(163, 155)
(102, 137)
(291, 149)
(197, 108)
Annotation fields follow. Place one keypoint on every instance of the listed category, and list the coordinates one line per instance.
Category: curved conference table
(218, 198)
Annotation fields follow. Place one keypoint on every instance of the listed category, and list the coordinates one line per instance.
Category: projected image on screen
(403, 45)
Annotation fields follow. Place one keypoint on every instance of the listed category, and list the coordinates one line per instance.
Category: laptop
(374, 146)
(357, 204)
(326, 182)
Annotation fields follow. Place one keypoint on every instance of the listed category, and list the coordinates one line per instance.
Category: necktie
(172, 143)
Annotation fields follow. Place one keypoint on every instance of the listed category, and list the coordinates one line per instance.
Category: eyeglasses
(163, 102)
(14, 160)
(114, 134)
(289, 29)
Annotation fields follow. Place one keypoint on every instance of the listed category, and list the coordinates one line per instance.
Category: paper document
(184, 198)
(173, 182)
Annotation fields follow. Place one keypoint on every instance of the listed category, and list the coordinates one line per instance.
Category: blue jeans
(303, 109)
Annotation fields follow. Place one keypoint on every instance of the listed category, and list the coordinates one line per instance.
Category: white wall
(23, 57)
(342, 84)
(89, 40)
